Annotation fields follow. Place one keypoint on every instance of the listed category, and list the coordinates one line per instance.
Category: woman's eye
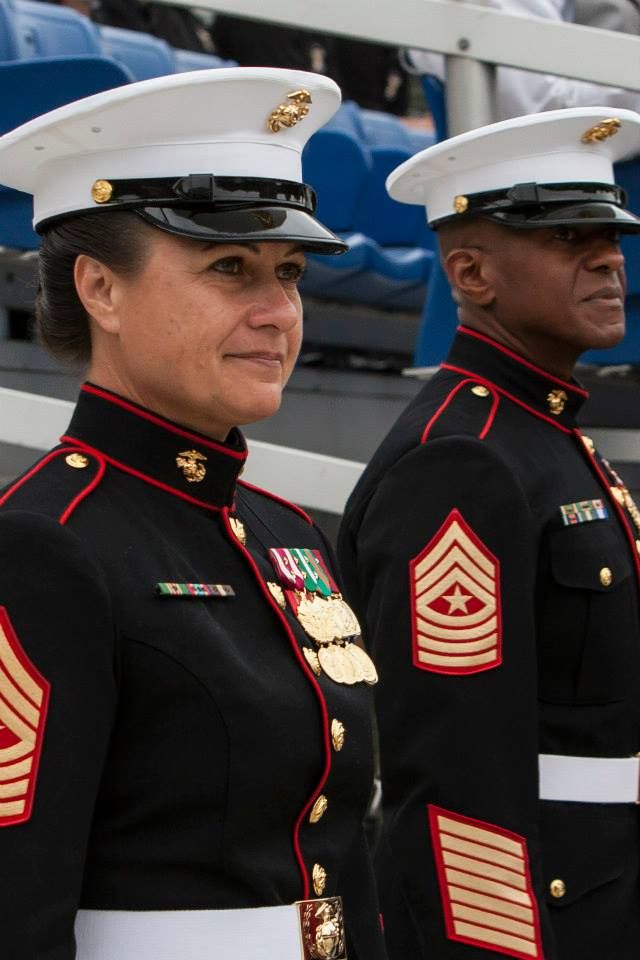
(290, 272)
(230, 265)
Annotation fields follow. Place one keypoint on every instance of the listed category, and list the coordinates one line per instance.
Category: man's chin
(604, 335)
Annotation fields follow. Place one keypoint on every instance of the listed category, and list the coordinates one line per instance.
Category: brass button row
(318, 810)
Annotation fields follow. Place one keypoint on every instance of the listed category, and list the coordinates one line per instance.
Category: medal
(323, 614)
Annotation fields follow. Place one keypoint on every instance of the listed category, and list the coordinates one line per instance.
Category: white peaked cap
(204, 122)
(577, 145)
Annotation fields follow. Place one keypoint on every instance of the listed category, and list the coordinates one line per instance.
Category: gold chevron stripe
(455, 535)
(483, 885)
(491, 904)
(12, 808)
(456, 661)
(16, 700)
(463, 633)
(494, 921)
(482, 852)
(17, 726)
(498, 939)
(454, 560)
(16, 670)
(17, 789)
(482, 869)
(481, 835)
(7, 754)
(15, 770)
(436, 646)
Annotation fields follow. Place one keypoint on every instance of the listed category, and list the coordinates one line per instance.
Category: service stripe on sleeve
(24, 696)
(485, 885)
(455, 602)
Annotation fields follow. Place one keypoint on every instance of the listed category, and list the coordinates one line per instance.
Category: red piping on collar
(525, 363)
(84, 493)
(273, 496)
(622, 515)
(447, 401)
(161, 422)
(509, 396)
(314, 683)
(85, 448)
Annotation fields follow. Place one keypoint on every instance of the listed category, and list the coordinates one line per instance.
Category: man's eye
(230, 265)
(290, 272)
(568, 234)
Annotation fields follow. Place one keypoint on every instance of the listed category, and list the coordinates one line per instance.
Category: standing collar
(541, 393)
(156, 450)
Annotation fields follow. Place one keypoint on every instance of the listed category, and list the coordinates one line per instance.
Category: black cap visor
(244, 225)
(571, 215)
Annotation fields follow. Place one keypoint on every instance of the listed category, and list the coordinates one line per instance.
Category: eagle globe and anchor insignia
(191, 463)
(455, 599)
(323, 929)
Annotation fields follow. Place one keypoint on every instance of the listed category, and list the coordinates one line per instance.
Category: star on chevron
(458, 600)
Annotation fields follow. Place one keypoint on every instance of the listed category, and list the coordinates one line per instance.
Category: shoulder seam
(495, 400)
(48, 458)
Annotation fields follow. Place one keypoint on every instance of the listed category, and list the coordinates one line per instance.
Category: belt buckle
(322, 929)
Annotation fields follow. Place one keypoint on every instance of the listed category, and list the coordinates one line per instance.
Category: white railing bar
(313, 480)
(459, 29)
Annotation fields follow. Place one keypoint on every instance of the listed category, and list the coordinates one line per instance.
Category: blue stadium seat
(186, 60)
(145, 56)
(337, 166)
(46, 30)
(9, 47)
(44, 85)
(433, 88)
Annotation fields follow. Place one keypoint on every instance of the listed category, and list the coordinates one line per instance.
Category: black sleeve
(57, 700)
(440, 565)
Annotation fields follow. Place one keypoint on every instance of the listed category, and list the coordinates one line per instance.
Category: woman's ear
(469, 273)
(97, 288)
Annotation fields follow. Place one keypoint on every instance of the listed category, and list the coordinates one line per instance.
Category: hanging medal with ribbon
(324, 615)
(620, 492)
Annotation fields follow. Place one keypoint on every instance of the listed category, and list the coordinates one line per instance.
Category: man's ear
(469, 274)
(98, 290)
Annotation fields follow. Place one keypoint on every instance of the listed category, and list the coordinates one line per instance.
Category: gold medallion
(366, 666)
(291, 113)
(322, 927)
(338, 665)
(460, 203)
(191, 462)
(312, 659)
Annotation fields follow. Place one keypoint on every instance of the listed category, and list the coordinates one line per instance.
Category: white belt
(289, 932)
(589, 779)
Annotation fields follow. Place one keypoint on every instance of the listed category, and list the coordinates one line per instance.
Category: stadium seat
(9, 47)
(337, 166)
(186, 60)
(145, 56)
(44, 85)
(46, 30)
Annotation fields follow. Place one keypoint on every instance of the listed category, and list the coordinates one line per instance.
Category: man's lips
(611, 294)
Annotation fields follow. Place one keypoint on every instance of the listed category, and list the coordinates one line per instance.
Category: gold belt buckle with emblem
(322, 929)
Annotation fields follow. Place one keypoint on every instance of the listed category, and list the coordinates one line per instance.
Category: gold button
(460, 203)
(319, 809)
(337, 735)
(319, 877)
(276, 592)
(588, 443)
(638, 545)
(77, 460)
(557, 889)
(101, 191)
(606, 577)
(238, 530)
(479, 390)
(617, 495)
